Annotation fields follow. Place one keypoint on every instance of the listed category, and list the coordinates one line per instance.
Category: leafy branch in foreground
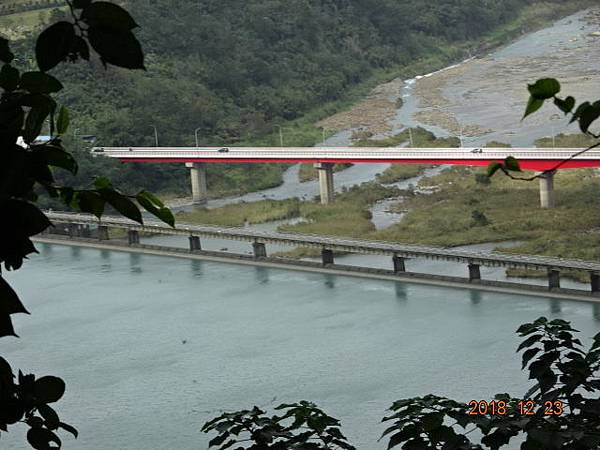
(27, 168)
(585, 114)
(566, 414)
(561, 411)
(303, 426)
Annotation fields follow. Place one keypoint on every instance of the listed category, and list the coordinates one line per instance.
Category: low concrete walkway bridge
(324, 158)
(78, 225)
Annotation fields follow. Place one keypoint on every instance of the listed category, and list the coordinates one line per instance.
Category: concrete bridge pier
(260, 250)
(85, 231)
(325, 171)
(553, 279)
(103, 233)
(133, 237)
(547, 199)
(595, 282)
(327, 256)
(195, 243)
(399, 265)
(199, 185)
(474, 272)
(74, 230)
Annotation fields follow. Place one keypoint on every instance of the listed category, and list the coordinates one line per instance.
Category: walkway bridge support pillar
(595, 282)
(195, 243)
(199, 185)
(103, 233)
(474, 272)
(260, 250)
(327, 256)
(325, 171)
(399, 265)
(547, 199)
(553, 278)
(133, 237)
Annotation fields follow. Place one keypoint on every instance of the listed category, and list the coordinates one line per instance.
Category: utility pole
(280, 135)
(155, 135)
(196, 135)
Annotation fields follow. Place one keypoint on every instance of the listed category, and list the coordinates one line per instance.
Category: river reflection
(157, 348)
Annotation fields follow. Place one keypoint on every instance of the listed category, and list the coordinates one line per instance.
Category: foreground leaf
(117, 47)
(544, 88)
(53, 45)
(48, 389)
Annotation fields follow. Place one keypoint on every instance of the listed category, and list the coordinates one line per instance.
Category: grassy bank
(238, 214)
(453, 215)
(447, 217)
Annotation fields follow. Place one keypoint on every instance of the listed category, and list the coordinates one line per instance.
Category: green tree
(27, 169)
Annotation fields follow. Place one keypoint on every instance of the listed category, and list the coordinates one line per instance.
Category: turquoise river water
(152, 347)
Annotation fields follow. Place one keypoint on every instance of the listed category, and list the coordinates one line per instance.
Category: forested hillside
(235, 69)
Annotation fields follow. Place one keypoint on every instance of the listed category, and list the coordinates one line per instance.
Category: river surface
(152, 347)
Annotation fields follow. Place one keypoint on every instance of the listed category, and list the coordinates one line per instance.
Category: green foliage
(240, 213)
(302, 426)
(585, 114)
(28, 168)
(479, 219)
(27, 400)
(565, 392)
(563, 413)
(237, 71)
(348, 216)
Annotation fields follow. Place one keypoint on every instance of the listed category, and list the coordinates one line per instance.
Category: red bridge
(324, 157)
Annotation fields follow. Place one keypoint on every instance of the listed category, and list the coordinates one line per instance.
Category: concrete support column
(74, 230)
(325, 182)
(474, 272)
(399, 265)
(260, 251)
(85, 231)
(199, 185)
(553, 278)
(595, 282)
(547, 190)
(327, 256)
(133, 237)
(195, 243)
(103, 233)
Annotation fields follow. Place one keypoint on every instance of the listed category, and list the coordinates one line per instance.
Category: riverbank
(469, 100)
(334, 269)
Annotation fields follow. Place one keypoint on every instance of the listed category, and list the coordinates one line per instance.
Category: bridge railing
(492, 259)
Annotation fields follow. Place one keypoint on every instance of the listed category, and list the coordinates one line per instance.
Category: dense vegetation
(233, 71)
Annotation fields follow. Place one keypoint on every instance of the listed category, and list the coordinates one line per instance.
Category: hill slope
(234, 70)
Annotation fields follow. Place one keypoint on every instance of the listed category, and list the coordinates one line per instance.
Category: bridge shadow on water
(329, 281)
(197, 268)
(76, 253)
(401, 292)
(135, 263)
(262, 274)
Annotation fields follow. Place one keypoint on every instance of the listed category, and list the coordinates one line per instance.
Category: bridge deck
(339, 244)
(530, 158)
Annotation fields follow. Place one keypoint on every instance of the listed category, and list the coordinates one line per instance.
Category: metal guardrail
(350, 153)
(492, 259)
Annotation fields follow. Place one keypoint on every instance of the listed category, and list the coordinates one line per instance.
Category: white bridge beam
(325, 157)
